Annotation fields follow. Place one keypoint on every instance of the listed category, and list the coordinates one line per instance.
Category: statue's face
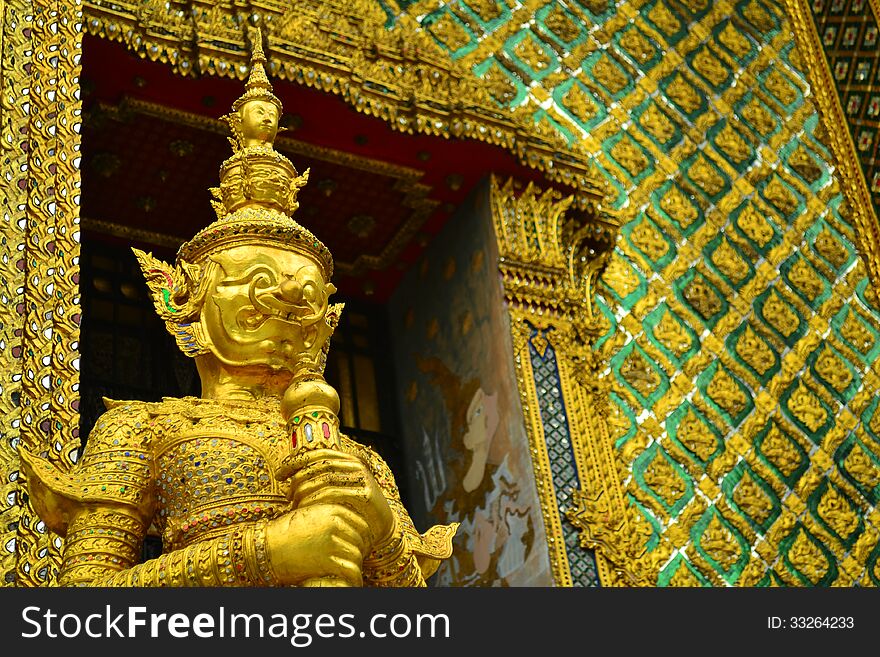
(259, 122)
(266, 306)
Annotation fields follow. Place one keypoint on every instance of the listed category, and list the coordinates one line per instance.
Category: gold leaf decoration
(830, 248)
(705, 176)
(635, 43)
(801, 161)
(662, 478)
(618, 423)
(781, 451)
(608, 74)
(579, 103)
(759, 118)
(805, 279)
(710, 67)
(620, 277)
(639, 374)
(833, 370)
(856, 334)
(758, 16)
(807, 408)
(780, 196)
(780, 87)
(500, 87)
(808, 558)
(533, 55)
(729, 141)
(561, 25)
(596, 6)
(752, 499)
(734, 41)
(649, 240)
(729, 262)
(720, 544)
(663, 18)
(676, 205)
(693, 434)
(837, 512)
(450, 33)
(754, 351)
(779, 314)
(755, 225)
(725, 392)
(683, 94)
(672, 335)
(683, 576)
(657, 124)
(485, 9)
(861, 467)
(702, 297)
(629, 156)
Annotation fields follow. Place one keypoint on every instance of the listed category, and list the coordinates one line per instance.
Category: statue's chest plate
(211, 477)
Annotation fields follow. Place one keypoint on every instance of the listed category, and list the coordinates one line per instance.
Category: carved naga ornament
(252, 484)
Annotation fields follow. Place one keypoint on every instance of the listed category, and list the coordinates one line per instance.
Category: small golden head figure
(256, 113)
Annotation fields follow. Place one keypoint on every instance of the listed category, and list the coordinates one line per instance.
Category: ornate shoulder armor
(116, 469)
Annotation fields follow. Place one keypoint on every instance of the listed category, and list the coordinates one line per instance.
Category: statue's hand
(326, 476)
(317, 541)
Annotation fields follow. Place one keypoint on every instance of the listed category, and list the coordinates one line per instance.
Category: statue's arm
(407, 558)
(103, 545)
(104, 507)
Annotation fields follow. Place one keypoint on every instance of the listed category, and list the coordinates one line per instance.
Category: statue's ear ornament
(334, 314)
(297, 184)
(233, 120)
(177, 296)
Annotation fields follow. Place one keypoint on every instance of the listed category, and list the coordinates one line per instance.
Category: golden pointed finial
(258, 78)
(257, 86)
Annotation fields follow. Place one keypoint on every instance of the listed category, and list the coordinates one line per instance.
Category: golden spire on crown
(256, 174)
(257, 177)
(257, 86)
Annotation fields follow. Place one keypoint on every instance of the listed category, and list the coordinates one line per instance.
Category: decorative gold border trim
(549, 268)
(398, 75)
(525, 379)
(41, 42)
(855, 186)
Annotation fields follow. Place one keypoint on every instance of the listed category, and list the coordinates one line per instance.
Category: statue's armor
(198, 469)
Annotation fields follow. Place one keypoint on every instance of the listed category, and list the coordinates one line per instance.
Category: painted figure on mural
(252, 484)
(480, 490)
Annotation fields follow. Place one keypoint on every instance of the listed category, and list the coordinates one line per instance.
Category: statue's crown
(258, 190)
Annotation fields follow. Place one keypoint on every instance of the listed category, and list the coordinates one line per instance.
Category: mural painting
(465, 439)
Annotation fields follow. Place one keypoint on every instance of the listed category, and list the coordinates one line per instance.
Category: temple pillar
(39, 268)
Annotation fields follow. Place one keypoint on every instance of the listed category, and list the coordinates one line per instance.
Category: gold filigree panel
(830, 105)
(40, 297)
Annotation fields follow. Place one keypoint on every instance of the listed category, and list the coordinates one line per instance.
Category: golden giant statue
(252, 484)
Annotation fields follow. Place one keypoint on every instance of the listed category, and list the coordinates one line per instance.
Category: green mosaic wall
(741, 330)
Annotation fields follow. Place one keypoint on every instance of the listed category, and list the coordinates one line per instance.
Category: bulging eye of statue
(310, 292)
